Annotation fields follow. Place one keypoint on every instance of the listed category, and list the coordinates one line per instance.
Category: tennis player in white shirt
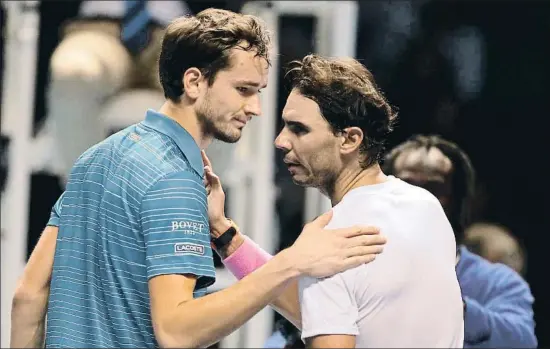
(336, 122)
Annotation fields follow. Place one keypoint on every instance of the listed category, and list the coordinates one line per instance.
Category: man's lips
(291, 163)
(240, 122)
(292, 166)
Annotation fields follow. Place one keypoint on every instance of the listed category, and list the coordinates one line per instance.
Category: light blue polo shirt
(134, 207)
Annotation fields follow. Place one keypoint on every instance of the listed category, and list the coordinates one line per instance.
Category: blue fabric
(135, 33)
(277, 340)
(134, 207)
(499, 306)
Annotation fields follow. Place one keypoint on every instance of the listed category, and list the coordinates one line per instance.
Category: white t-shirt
(409, 297)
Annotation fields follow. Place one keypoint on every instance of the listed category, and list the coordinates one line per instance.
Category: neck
(350, 179)
(184, 114)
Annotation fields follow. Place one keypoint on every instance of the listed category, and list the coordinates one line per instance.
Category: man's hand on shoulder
(320, 252)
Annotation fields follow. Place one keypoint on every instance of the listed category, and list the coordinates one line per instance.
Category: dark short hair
(464, 176)
(203, 41)
(347, 96)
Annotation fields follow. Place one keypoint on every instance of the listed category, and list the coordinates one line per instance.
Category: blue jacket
(499, 304)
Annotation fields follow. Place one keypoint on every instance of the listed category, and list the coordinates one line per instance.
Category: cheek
(229, 106)
(220, 101)
(323, 155)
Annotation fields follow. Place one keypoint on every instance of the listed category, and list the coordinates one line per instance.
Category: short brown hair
(347, 96)
(203, 41)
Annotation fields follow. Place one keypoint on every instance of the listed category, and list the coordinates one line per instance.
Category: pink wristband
(247, 258)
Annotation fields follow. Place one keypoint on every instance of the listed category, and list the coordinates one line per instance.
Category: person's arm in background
(253, 256)
(30, 300)
(506, 321)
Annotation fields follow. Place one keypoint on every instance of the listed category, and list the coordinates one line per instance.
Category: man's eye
(296, 129)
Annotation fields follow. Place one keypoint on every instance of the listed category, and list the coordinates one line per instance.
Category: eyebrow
(250, 83)
(296, 123)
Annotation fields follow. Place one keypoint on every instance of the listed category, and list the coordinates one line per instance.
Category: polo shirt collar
(178, 134)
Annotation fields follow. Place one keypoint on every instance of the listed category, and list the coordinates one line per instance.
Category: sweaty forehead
(424, 160)
(302, 109)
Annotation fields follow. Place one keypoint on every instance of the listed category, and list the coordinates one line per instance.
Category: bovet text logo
(185, 247)
(188, 227)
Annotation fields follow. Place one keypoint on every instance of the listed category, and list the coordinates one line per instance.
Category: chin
(302, 181)
(228, 137)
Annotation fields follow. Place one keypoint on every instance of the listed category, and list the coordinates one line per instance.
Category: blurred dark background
(493, 101)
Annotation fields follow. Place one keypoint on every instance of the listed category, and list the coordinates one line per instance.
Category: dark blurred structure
(413, 48)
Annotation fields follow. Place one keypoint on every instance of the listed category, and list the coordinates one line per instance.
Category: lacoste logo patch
(184, 247)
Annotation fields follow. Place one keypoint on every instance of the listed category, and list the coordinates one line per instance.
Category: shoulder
(155, 154)
(417, 197)
(394, 205)
(177, 180)
(140, 142)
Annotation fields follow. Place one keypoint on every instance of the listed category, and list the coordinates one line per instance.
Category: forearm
(485, 328)
(212, 317)
(28, 318)
(287, 303)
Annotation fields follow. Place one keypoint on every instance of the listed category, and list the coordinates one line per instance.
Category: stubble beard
(213, 125)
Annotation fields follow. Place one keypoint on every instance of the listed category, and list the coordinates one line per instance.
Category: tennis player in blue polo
(127, 251)
(134, 208)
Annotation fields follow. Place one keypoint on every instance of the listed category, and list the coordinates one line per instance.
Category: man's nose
(253, 106)
(282, 143)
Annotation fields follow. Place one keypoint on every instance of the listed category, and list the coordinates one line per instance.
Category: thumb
(323, 219)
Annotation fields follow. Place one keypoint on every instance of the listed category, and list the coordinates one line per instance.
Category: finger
(367, 240)
(353, 262)
(358, 230)
(359, 251)
(322, 220)
(205, 159)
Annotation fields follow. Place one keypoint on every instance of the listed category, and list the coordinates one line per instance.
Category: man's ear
(351, 140)
(191, 82)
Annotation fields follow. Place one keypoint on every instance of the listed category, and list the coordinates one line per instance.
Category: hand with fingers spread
(320, 252)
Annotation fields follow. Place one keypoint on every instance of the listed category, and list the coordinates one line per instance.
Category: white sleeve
(328, 307)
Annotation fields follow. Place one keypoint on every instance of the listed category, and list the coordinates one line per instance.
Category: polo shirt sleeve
(174, 221)
(56, 212)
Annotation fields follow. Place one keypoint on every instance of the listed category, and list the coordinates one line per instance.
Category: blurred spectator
(496, 244)
(111, 46)
(498, 302)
